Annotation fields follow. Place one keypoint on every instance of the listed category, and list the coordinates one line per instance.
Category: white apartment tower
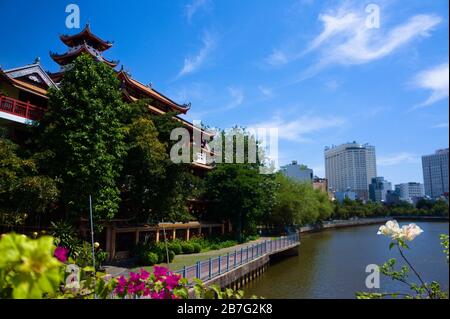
(350, 166)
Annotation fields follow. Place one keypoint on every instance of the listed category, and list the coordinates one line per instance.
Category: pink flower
(160, 271)
(61, 253)
(172, 281)
(144, 274)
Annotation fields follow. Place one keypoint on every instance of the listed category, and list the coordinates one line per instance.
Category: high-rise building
(350, 167)
(300, 173)
(378, 189)
(409, 192)
(435, 173)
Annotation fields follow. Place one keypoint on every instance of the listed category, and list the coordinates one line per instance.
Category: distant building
(435, 173)
(410, 192)
(350, 166)
(392, 197)
(340, 196)
(299, 173)
(378, 189)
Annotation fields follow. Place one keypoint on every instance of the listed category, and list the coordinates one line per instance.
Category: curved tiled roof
(86, 35)
(63, 59)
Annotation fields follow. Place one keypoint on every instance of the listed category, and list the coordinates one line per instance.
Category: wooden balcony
(22, 109)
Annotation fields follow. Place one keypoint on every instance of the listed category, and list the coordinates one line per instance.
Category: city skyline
(387, 86)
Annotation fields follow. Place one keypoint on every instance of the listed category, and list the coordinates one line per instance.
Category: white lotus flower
(393, 230)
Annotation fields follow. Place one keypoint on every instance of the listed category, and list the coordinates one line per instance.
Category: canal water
(332, 263)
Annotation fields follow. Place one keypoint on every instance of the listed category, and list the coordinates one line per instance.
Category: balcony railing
(22, 109)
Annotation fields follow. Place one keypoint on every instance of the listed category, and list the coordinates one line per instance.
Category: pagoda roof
(152, 93)
(66, 58)
(87, 36)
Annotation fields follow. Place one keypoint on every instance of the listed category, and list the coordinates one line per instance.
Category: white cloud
(192, 64)
(345, 38)
(435, 80)
(298, 129)
(399, 158)
(237, 97)
(267, 92)
(277, 58)
(441, 125)
(192, 8)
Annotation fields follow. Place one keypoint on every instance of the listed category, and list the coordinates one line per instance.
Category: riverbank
(364, 221)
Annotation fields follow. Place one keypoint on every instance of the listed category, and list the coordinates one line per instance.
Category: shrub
(197, 247)
(152, 258)
(187, 248)
(171, 255)
(175, 247)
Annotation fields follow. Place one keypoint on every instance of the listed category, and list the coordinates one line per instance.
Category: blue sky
(311, 68)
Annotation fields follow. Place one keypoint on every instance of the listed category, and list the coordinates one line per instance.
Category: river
(332, 263)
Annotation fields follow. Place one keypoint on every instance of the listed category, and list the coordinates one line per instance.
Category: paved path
(181, 260)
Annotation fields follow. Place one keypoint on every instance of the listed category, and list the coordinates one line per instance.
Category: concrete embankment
(364, 221)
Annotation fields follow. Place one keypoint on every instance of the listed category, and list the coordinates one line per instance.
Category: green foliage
(22, 189)
(298, 204)
(83, 257)
(175, 246)
(444, 243)
(27, 267)
(144, 167)
(197, 247)
(66, 236)
(152, 259)
(187, 248)
(83, 136)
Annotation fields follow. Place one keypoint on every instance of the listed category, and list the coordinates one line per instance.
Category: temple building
(23, 99)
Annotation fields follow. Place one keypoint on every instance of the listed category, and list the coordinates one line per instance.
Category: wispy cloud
(237, 97)
(266, 91)
(299, 129)
(277, 58)
(435, 80)
(441, 125)
(396, 159)
(192, 64)
(346, 39)
(192, 8)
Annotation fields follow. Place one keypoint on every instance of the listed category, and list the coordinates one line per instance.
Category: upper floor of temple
(23, 90)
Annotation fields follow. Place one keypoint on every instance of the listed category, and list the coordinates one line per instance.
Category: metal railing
(19, 108)
(213, 267)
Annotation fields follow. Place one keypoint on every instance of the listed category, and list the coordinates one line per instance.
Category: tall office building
(409, 192)
(378, 189)
(350, 167)
(435, 173)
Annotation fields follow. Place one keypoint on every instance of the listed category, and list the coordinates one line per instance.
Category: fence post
(184, 271)
(210, 267)
(235, 257)
(242, 254)
(246, 259)
(197, 270)
(228, 261)
(220, 264)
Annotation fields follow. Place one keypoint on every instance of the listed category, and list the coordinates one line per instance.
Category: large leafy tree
(84, 134)
(238, 191)
(23, 191)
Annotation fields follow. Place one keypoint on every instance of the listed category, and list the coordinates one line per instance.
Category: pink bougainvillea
(61, 253)
(159, 285)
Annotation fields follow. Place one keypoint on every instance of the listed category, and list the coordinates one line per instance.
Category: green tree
(23, 191)
(84, 134)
